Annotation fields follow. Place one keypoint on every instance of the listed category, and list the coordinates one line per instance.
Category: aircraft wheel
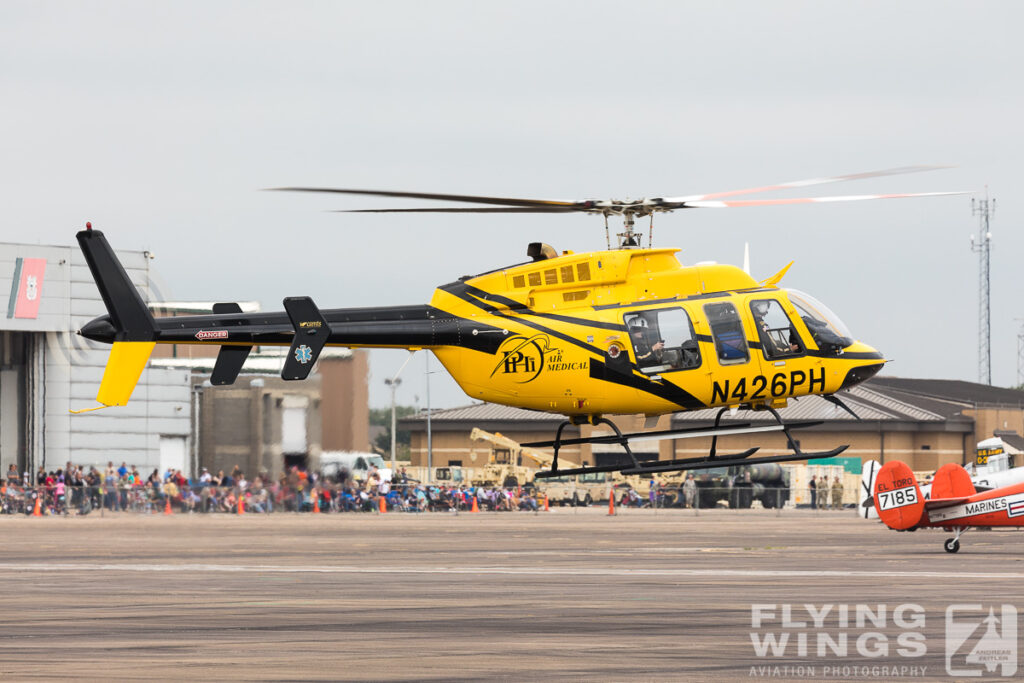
(952, 545)
(587, 500)
(575, 501)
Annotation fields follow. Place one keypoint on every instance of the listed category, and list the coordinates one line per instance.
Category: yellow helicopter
(622, 330)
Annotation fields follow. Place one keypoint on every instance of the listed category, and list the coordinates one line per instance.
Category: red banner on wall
(27, 288)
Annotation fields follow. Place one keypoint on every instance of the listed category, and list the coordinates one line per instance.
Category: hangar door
(13, 399)
(172, 454)
(293, 425)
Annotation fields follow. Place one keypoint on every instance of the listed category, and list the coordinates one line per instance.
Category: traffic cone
(475, 508)
(241, 503)
(383, 505)
(546, 508)
(37, 512)
(316, 503)
(611, 504)
(167, 507)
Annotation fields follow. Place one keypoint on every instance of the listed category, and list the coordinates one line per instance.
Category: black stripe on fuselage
(666, 390)
(386, 326)
(598, 370)
(523, 310)
(458, 290)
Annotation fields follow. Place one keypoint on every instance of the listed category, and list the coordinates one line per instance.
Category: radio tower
(983, 208)
(1020, 355)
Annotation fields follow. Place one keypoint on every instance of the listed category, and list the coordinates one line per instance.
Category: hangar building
(174, 419)
(46, 370)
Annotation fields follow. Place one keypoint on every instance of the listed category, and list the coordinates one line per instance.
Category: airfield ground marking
(508, 571)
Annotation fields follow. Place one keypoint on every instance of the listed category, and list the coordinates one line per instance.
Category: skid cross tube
(620, 439)
(711, 460)
(683, 433)
(714, 439)
(558, 444)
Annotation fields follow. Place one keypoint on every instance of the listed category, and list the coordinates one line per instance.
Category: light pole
(392, 382)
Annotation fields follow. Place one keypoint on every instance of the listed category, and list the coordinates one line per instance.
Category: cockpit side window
(663, 340)
(779, 338)
(827, 330)
(727, 330)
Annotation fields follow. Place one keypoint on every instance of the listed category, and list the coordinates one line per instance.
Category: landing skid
(713, 459)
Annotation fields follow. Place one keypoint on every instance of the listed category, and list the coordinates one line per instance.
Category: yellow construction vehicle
(504, 467)
(581, 489)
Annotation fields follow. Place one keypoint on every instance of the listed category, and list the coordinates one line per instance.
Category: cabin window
(727, 330)
(567, 274)
(518, 281)
(583, 271)
(663, 340)
(827, 330)
(551, 277)
(776, 331)
(535, 279)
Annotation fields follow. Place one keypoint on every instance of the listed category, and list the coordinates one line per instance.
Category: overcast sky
(161, 121)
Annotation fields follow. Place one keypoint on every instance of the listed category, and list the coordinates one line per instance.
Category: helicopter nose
(871, 362)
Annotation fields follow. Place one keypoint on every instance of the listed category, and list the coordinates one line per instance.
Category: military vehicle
(740, 486)
(504, 467)
(576, 490)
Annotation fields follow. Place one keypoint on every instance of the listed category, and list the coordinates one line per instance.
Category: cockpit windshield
(827, 330)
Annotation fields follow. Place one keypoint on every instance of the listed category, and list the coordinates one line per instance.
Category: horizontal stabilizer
(230, 359)
(229, 363)
(933, 503)
(311, 333)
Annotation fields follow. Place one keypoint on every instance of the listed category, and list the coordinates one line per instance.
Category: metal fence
(334, 498)
(737, 498)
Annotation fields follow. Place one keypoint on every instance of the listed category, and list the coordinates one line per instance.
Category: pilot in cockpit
(646, 352)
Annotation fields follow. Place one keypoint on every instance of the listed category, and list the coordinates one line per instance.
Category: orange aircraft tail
(952, 481)
(897, 496)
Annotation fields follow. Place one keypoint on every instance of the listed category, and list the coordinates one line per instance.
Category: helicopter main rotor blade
(806, 183)
(735, 203)
(473, 199)
(470, 209)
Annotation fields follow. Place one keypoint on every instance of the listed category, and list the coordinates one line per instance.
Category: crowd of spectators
(80, 490)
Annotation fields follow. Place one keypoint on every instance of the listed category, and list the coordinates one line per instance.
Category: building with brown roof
(925, 423)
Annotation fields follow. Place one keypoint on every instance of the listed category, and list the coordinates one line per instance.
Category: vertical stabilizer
(133, 329)
(129, 314)
(952, 481)
(898, 499)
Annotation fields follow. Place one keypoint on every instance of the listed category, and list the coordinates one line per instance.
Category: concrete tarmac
(565, 595)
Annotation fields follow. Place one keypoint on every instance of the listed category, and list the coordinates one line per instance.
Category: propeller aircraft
(617, 331)
(954, 505)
